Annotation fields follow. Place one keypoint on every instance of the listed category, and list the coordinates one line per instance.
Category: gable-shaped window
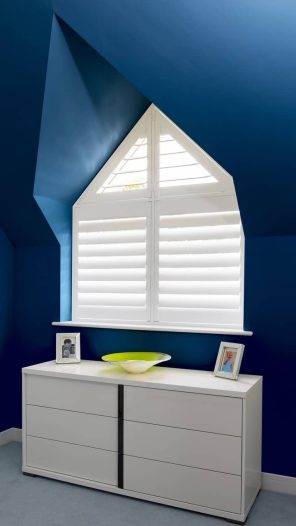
(157, 236)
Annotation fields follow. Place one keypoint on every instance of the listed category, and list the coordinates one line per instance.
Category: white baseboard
(14, 434)
(270, 481)
(279, 483)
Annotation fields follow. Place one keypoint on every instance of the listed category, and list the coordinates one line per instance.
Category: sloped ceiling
(223, 71)
(88, 109)
(24, 41)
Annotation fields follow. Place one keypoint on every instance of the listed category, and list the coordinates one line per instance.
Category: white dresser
(178, 437)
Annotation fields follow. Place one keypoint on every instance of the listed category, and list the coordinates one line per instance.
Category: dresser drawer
(191, 485)
(74, 395)
(216, 414)
(77, 428)
(183, 446)
(69, 459)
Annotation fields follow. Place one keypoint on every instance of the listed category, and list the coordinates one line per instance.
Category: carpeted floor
(27, 501)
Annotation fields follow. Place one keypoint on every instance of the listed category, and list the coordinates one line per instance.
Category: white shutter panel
(200, 268)
(110, 262)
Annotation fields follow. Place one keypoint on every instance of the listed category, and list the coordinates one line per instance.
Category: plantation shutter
(111, 261)
(200, 266)
(157, 235)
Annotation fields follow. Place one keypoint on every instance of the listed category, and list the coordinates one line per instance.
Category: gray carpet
(26, 501)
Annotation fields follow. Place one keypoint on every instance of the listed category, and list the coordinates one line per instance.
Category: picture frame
(229, 360)
(68, 347)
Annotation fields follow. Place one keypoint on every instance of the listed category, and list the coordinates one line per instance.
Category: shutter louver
(112, 265)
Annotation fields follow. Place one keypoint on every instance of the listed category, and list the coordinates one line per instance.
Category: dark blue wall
(6, 321)
(36, 301)
(24, 42)
(223, 71)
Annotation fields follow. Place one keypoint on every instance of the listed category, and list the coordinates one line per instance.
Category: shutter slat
(112, 286)
(188, 233)
(199, 287)
(200, 260)
(113, 274)
(194, 220)
(111, 313)
(205, 317)
(111, 225)
(116, 299)
(186, 182)
(191, 274)
(173, 173)
(106, 262)
(112, 249)
(121, 236)
(200, 246)
(199, 301)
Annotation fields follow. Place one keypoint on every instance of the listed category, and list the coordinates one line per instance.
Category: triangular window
(158, 239)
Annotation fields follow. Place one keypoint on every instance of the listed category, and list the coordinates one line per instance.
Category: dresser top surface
(158, 377)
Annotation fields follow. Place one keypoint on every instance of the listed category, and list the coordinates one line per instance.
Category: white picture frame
(68, 347)
(229, 360)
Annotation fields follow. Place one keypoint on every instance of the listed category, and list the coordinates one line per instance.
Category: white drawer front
(183, 446)
(69, 459)
(191, 485)
(216, 414)
(76, 428)
(75, 395)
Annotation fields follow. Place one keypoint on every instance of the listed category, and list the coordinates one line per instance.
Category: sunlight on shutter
(177, 167)
(131, 172)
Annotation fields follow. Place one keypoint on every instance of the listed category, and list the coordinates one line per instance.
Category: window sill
(156, 327)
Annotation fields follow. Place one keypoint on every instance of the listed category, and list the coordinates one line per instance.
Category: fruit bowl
(136, 362)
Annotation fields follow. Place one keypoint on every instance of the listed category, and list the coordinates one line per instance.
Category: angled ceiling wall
(223, 71)
(88, 109)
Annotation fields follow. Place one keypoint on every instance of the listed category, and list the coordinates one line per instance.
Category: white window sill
(156, 327)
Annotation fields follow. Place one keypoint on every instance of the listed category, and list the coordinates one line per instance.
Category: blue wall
(24, 42)
(222, 71)
(6, 321)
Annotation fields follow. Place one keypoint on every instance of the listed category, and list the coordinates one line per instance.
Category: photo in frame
(68, 347)
(229, 360)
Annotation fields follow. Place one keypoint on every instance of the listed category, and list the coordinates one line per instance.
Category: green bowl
(136, 362)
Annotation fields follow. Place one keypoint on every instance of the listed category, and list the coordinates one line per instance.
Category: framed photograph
(229, 360)
(68, 347)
